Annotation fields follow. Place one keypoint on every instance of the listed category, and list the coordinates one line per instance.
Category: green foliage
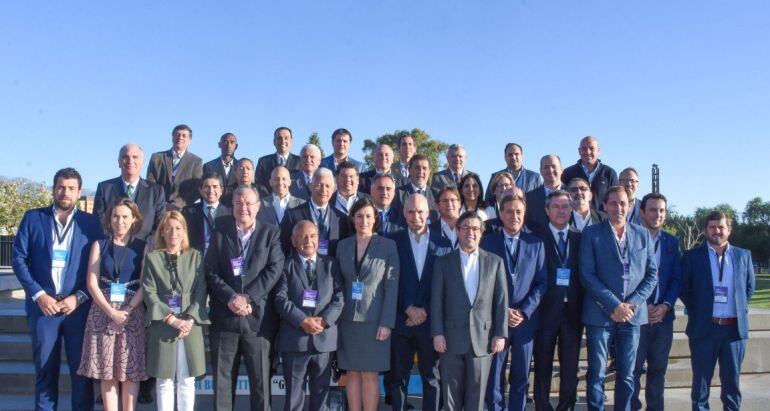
(17, 196)
(424, 144)
(314, 139)
(757, 212)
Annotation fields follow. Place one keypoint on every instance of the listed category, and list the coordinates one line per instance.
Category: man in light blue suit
(527, 280)
(50, 259)
(717, 283)
(341, 139)
(619, 273)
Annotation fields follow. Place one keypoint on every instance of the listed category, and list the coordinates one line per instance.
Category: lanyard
(562, 258)
(722, 265)
(117, 265)
(60, 238)
(514, 257)
(623, 251)
(171, 260)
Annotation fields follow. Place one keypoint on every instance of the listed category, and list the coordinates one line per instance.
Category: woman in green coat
(175, 294)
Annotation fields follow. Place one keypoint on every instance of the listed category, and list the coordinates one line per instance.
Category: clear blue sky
(684, 84)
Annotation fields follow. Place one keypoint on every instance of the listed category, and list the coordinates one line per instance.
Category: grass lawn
(761, 297)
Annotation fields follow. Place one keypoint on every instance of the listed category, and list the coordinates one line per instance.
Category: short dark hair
(224, 136)
(124, 201)
(577, 180)
(418, 157)
(341, 131)
(346, 164)
(447, 189)
(182, 127)
(652, 196)
(275, 133)
(209, 175)
(364, 202)
(380, 176)
(242, 159)
(68, 173)
(616, 189)
(472, 176)
(509, 199)
(716, 215)
(555, 193)
(403, 136)
(509, 145)
(468, 215)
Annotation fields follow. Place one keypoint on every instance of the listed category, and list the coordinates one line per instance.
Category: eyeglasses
(629, 180)
(577, 189)
(472, 229)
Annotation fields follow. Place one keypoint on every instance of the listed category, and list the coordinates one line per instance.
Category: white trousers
(184, 386)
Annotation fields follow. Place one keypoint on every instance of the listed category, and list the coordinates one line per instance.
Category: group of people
(314, 265)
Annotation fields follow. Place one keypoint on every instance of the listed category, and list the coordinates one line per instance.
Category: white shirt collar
(555, 231)
(304, 260)
(130, 183)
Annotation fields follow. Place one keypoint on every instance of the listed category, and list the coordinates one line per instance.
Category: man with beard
(582, 214)
(599, 175)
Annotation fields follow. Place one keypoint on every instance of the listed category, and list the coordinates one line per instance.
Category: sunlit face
(322, 188)
(305, 239)
(174, 234)
(717, 232)
(406, 149)
(66, 193)
(505, 183)
(654, 213)
(469, 234)
(416, 213)
(347, 181)
(581, 195)
(227, 145)
(558, 211)
(629, 180)
(280, 180)
(383, 191)
(456, 159)
(364, 220)
(131, 162)
(449, 206)
(512, 215)
(419, 173)
(282, 141)
(341, 145)
(245, 208)
(617, 206)
(514, 158)
(121, 221)
(310, 159)
(383, 158)
(471, 189)
(180, 139)
(244, 173)
(211, 190)
(589, 151)
(550, 169)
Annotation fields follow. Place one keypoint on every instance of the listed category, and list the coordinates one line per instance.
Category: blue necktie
(383, 224)
(322, 229)
(562, 244)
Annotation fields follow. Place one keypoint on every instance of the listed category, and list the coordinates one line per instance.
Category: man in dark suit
(454, 171)
(177, 170)
(657, 335)
(223, 165)
(550, 171)
(383, 193)
(418, 248)
(583, 214)
(203, 217)
(244, 176)
(524, 259)
(468, 311)
(449, 212)
(341, 139)
(332, 224)
(243, 265)
(383, 164)
(560, 307)
(619, 273)
(50, 258)
(347, 187)
(309, 297)
(406, 149)
(718, 282)
(148, 196)
(526, 180)
(282, 139)
(419, 176)
(274, 206)
(629, 178)
(590, 168)
(310, 159)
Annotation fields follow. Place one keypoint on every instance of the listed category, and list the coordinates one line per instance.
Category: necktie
(456, 178)
(129, 191)
(383, 225)
(512, 252)
(310, 272)
(211, 215)
(175, 165)
(420, 191)
(322, 223)
(281, 161)
(562, 244)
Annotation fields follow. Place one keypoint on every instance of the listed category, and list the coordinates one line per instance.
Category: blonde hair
(160, 242)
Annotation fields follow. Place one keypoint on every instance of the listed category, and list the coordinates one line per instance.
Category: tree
(424, 144)
(702, 212)
(757, 212)
(685, 228)
(17, 196)
(314, 139)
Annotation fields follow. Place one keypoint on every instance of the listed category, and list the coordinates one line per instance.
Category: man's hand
(515, 317)
(68, 304)
(48, 305)
(416, 316)
(498, 344)
(623, 313)
(311, 325)
(439, 344)
(239, 304)
(657, 313)
(383, 333)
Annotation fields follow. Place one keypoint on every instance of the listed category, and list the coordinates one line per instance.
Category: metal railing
(6, 248)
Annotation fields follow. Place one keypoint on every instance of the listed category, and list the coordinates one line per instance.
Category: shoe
(145, 397)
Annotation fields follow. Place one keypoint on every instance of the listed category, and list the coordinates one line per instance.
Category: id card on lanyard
(720, 291)
(174, 301)
(563, 273)
(59, 255)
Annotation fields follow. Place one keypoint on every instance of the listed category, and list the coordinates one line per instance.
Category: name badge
(562, 276)
(59, 258)
(323, 247)
(174, 302)
(237, 265)
(720, 295)
(309, 298)
(358, 291)
(117, 293)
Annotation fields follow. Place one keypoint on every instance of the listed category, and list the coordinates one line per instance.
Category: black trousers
(226, 347)
(403, 347)
(566, 336)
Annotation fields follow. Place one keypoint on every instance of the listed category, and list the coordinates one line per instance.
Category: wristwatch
(81, 297)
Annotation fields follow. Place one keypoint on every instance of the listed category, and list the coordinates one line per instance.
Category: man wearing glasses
(582, 213)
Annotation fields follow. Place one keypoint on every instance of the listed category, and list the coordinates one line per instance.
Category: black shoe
(145, 397)
(388, 399)
(529, 400)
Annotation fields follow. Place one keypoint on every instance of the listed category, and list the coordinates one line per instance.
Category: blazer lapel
(611, 235)
(301, 268)
(168, 159)
(47, 221)
(367, 260)
(482, 273)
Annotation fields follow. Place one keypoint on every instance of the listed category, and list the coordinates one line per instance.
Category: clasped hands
(623, 313)
(240, 304)
(49, 306)
(313, 325)
(416, 316)
(439, 344)
(515, 317)
(656, 313)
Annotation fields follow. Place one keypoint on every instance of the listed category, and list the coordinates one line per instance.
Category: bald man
(551, 170)
(599, 175)
(274, 206)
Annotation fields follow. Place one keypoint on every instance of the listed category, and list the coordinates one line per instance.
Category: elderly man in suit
(309, 297)
(223, 165)
(50, 259)
(599, 175)
(718, 282)
(657, 335)
(148, 196)
(177, 170)
(382, 194)
(310, 159)
(456, 157)
(383, 164)
(560, 307)
(526, 180)
(202, 217)
(524, 261)
(243, 265)
(583, 214)
(341, 139)
(274, 206)
(347, 187)
(282, 139)
(469, 313)
(332, 224)
(619, 273)
(550, 170)
(418, 248)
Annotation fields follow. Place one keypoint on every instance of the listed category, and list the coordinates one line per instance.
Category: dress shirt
(404, 168)
(346, 204)
(133, 185)
(315, 207)
(479, 212)
(57, 273)
(177, 157)
(280, 204)
(282, 160)
(622, 244)
(722, 310)
(449, 232)
(206, 229)
(417, 189)
(555, 232)
(304, 260)
(245, 237)
(226, 167)
(419, 249)
(511, 243)
(470, 266)
(580, 221)
(590, 174)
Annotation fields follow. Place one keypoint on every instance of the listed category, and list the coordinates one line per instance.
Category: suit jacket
(148, 196)
(604, 178)
(698, 289)
(266, 165)
(288, 302)
(596, 218)
(267, 212)
(183, 189)
(196, 219)
(414, 291)
(263, 262)
(329, 162)
(529, 281)
(403, 192)
(435, 227)
(552, 306)
(32, 255)
(365, 180)
(601, 272)
(215, 166)
(669, 274)
(227, 193)
(333, 201)
(298, 187)
(467, 326)
(394, 221)
(444, 178)
(528, 180)
(536, 219)
(338, 225)
(633, 212)
(380, 272)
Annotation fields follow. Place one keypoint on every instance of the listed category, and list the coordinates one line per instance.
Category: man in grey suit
(275, 205)
(282, 139)
(455, 170)
(223, 165)
(310, 159)
(469, 306)
(526, 180)
(177, 170)
(341, 139)
(147, 195)
(309, 298)
(619, 272)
